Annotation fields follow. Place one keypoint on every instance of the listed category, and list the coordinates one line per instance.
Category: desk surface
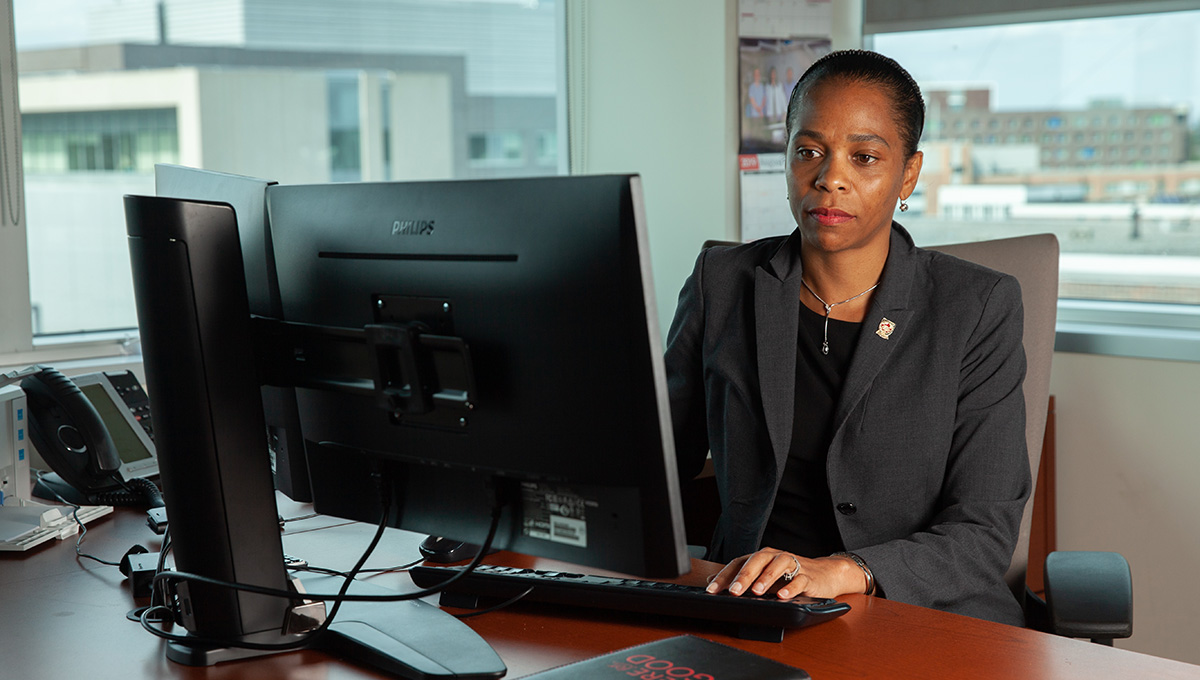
(61, 618)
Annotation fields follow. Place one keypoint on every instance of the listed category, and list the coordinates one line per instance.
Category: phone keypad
(131, 392)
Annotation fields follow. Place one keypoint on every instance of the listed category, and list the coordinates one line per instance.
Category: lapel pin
(886, 328)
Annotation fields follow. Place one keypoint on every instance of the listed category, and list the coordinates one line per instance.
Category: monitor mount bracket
(409, 360)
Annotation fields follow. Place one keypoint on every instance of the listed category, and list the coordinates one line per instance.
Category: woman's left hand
(760, 572)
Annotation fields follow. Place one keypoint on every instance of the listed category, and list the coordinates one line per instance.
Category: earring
(903, 206)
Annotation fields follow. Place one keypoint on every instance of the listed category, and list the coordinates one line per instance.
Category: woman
(861, 397)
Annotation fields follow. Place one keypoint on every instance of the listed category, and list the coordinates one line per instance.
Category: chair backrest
(1033, 260)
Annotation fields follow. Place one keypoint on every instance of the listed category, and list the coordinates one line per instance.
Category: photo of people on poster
(768, 70)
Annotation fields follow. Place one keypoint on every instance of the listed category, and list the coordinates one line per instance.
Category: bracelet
(861, 565)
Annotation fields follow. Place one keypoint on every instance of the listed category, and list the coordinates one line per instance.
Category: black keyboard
(758, 618)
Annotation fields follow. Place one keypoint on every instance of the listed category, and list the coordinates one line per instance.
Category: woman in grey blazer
(861, 397)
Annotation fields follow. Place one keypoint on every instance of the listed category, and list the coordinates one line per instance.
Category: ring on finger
(796, 570)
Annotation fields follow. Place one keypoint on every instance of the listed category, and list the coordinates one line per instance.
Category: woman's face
(846, 166)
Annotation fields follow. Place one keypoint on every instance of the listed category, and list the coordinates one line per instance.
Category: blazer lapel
(883, 327)
(776, 320)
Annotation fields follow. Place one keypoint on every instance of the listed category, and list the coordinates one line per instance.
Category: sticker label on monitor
(554, 513)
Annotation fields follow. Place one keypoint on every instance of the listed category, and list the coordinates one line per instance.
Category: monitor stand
(408, 639)
(201, 375)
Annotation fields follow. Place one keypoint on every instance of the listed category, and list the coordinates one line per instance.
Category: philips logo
(412, 228)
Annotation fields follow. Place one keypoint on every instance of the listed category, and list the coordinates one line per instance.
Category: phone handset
(71, 437)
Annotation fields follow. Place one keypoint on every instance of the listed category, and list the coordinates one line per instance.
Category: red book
(684, 657)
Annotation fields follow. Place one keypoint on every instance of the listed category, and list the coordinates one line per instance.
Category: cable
(398, 597)
(136, 491)
(79, 541)
(298, 643)
(320, 570)
(373, 571)
(398, 567)
(497, 607)
(341, 596)
(157, 591)
(297, 519)
(82, 528)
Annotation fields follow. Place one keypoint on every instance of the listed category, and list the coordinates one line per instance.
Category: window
(547, 150)
(126, 140)
(496, 149)
(1110, 116)
(287, 90)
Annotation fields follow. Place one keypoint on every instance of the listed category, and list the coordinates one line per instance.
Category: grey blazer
(927, 468)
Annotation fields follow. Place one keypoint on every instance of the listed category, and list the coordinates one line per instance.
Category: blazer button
(847, 508)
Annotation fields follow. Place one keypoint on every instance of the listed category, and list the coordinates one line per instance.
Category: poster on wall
(777, 41)
(769, 69)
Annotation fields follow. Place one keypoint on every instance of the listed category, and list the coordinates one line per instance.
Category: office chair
(1088, 594)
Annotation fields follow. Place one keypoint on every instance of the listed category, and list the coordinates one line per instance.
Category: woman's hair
(863, 66)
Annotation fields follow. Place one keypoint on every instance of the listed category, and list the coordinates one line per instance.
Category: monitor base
(408, 639)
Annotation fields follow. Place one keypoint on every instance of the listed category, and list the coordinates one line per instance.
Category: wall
(652, 91)
(1128, 472)
(422, 143)
(263, 123)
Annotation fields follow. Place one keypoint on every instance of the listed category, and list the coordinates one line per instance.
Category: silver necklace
(829, 307)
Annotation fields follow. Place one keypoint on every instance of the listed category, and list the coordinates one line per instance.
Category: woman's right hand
(760, 572)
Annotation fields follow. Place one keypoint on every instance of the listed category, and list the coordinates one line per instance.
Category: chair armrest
(1089, 595)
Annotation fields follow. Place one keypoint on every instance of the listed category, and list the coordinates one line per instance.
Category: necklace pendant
(824, 348)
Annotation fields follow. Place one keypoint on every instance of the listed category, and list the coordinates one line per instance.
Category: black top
(802, 520)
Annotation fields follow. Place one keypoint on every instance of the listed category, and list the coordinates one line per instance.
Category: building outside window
(1121, 123)
(294, 91)
(497, 149)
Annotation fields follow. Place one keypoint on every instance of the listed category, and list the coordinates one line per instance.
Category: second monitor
(482, 343)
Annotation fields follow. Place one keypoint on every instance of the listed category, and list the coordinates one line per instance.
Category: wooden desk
(63, 618)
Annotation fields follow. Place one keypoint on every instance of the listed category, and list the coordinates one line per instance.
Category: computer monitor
(247, 197)
(555, 396)
(468, 344)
